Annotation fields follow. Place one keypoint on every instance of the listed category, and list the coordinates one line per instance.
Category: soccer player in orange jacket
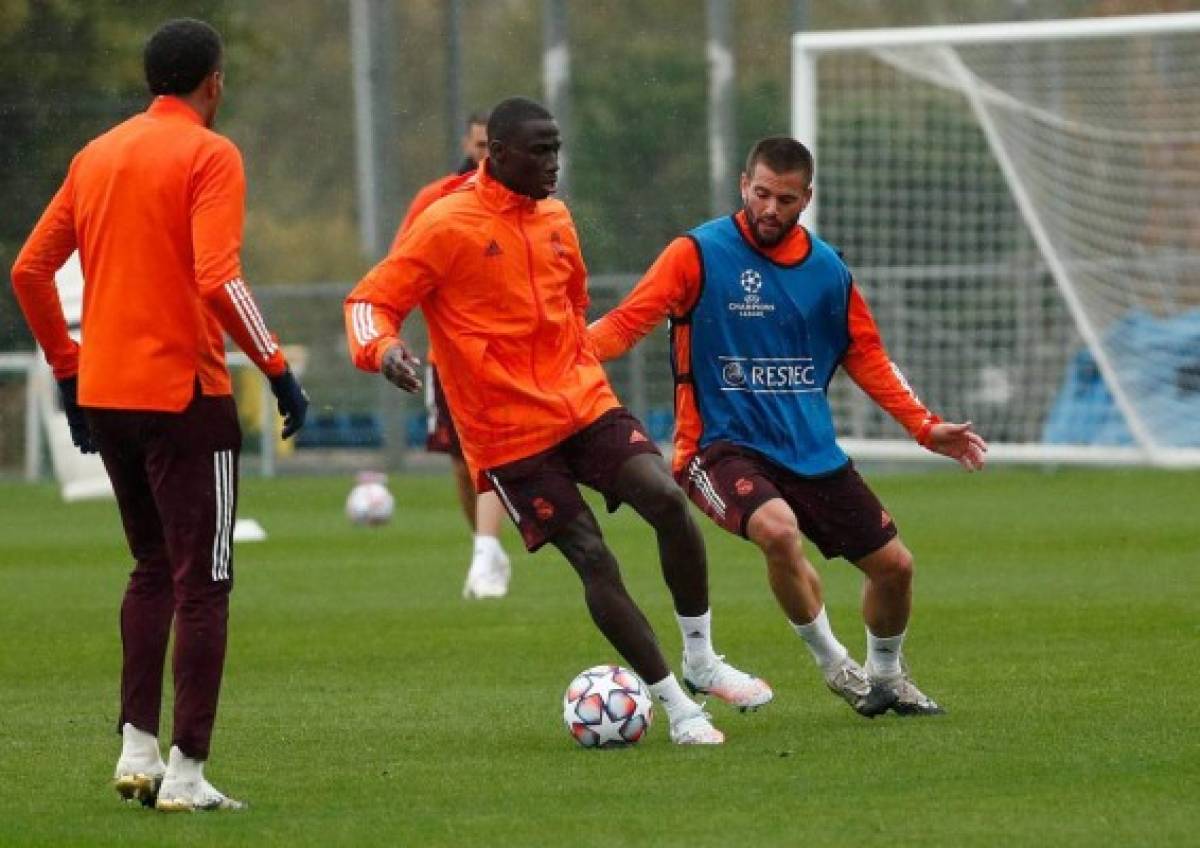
(490, 569)
(496, 268)
(762, 312)
(155, 207)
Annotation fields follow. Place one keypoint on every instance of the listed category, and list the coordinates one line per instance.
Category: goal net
(1020, 205)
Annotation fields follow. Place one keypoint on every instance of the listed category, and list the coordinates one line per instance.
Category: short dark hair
(782, 154)
(478, 118)
(509, 114)
(179, 55)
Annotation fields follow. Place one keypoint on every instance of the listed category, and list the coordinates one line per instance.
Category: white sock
(883, 654)
(138, 746)
(670, 694)
(184, 768)
(487, 546)
(822, 644)
(697, 639)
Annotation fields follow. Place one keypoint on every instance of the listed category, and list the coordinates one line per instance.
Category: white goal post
(1020, 203)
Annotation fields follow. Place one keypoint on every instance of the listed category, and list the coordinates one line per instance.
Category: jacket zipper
(541, 314)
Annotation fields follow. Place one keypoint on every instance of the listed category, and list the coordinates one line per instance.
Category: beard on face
(785, 227)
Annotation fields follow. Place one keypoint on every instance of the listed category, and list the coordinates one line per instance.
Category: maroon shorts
(440, 434)
(540, 491)
(838, 512)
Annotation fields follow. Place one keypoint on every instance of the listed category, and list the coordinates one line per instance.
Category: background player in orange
(155, 208)
(496, 268)
(474, 148)
(490, 568)
(762, 313)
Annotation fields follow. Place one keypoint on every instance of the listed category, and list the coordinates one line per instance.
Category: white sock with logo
(697, 639)
(883, 654)
(822, 644)
(674, 700)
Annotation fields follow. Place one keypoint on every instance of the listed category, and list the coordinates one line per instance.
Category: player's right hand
(81, 431)
(399, 367)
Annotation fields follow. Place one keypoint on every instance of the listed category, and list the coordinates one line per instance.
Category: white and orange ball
(607, 706)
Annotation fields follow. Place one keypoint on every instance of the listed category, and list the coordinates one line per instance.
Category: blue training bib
(765, 341)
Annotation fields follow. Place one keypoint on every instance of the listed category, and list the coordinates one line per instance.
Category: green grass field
(1057, 619)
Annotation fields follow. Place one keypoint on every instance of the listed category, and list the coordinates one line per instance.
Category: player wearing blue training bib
(762, 313)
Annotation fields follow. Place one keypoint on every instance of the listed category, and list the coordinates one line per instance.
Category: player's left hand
(959, 442)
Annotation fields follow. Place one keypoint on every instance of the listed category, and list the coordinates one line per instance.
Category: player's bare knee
(894, 567)
(666, 507)
(777, 535)
(646, 485)
(583, 546)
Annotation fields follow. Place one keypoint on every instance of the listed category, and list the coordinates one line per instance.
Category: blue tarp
(1158, 363)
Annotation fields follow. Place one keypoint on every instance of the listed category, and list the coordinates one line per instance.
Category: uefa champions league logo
(751, 283)
(751, 305)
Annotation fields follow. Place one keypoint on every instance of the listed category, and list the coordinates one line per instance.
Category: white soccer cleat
(488, 576)
(185, 790)
(694, 728)
(850, 681)
(140, 768)
(910, 701)
(726, 683)
(193, 797)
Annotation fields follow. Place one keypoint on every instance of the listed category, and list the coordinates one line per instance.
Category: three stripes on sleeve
(247, 310)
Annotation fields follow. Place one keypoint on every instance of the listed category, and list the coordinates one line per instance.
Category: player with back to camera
(490, 569)
(155, 208)
(496, 267)
(762, 312)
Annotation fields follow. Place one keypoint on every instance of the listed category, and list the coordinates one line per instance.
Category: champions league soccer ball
(369, 502)
(607, 707)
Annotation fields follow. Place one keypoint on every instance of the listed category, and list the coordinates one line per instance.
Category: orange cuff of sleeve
(379, 347)
(277, 364)
(64, 363)
(926, 428)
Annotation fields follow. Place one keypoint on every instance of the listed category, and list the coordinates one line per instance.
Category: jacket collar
(794, 246)
(166, 106)
(495, 195)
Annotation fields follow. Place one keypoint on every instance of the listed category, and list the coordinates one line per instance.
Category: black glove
(81, 431)
(293, 401)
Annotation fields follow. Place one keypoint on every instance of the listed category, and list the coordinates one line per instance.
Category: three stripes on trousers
(223, 537)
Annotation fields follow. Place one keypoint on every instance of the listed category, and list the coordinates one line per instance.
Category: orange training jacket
(672, 286)
(155, 208)
(503, 286)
